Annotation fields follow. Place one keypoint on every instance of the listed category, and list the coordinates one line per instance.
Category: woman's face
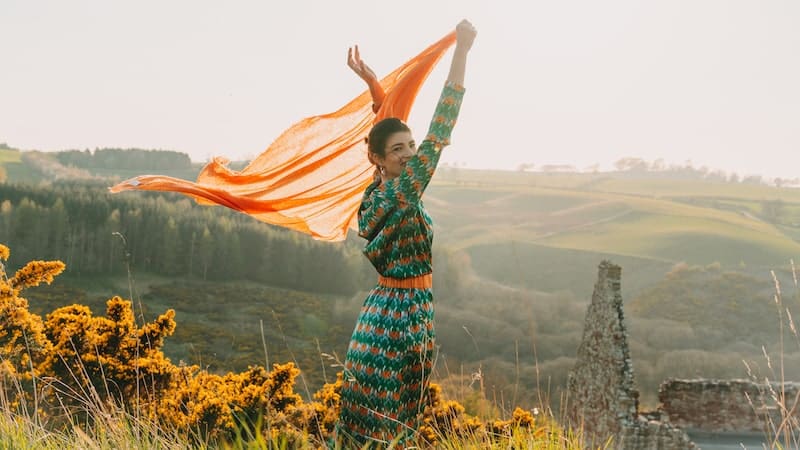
(400, 147)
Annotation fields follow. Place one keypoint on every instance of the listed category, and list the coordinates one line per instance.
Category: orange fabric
(312, 177)
(418, 282)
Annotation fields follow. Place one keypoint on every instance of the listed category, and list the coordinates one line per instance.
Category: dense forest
(94, 232)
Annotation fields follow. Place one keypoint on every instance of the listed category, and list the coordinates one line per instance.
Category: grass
(682, 238)
(659, 229)
(109, 428)
(531, 266)
(120, 431)
(667, 188)
(783, 429)
(7, 156)
(661, 220)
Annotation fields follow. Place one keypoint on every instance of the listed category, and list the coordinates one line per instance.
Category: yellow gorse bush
(36, 272)
(72, 356)
(24, 348)
(90, 351)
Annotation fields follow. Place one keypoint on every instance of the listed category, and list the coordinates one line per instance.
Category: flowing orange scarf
(312, 177)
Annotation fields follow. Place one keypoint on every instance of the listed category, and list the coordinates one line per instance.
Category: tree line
(131, 158)
(96, 233)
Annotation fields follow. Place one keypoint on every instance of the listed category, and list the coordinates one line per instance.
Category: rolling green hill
(502, 219)
(20, 169)
(15, 169)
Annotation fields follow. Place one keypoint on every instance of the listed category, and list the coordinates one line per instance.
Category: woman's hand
(364, 72)
(358, 66)
(465, 35)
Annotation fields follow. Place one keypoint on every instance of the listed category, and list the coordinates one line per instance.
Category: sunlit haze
(575, 83)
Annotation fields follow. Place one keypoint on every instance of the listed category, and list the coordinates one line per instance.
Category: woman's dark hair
(380, 134)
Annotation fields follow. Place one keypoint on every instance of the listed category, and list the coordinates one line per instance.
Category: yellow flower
(523, 418)
(36, 272)
(4, 252)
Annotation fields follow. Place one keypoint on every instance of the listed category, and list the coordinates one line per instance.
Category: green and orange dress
(390, 357)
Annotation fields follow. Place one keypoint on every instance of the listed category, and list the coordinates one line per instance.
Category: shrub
(77, 365)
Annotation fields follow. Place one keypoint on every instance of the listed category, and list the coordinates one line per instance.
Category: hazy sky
(558, 82)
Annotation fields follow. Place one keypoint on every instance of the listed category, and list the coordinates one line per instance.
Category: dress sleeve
(409, 186)
(373, 211)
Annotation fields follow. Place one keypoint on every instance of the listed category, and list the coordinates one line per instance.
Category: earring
(382, 170)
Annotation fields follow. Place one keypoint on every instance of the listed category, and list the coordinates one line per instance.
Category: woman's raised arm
(364, 72)
(465, 35)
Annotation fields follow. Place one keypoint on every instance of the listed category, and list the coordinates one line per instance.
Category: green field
(9, 156)
(660, 221)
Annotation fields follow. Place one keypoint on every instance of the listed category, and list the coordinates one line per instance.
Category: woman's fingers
(354, 60)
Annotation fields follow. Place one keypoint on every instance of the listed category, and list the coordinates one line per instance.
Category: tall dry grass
(779, 405)
(79, 381)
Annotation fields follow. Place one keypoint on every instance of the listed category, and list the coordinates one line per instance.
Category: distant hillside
(653, 218)
(111, 164)
(525, 228)
(516, 259)
(517, 226)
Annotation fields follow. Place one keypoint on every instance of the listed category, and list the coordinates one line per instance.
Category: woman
(389, 360)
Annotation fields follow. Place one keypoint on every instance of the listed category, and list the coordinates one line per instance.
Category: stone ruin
(602, 399)
(720, 406)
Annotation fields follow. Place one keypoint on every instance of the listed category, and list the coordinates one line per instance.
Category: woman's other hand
(465, 35)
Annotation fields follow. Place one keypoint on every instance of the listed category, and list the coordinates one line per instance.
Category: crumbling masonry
(602, 398)
(720, 406)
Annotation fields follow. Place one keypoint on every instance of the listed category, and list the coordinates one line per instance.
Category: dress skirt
(388, 366)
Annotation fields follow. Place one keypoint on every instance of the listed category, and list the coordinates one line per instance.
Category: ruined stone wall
(601, 394)
(724, 405)
(654, 435)
(602, 400)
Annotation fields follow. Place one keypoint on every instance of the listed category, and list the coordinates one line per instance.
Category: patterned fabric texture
(390, 357)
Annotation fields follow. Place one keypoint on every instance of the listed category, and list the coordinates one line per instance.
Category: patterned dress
(390, 357)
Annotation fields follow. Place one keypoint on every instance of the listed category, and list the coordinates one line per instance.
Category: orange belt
(419, 282)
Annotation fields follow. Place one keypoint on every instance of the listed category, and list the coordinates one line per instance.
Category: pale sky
(716, 82)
